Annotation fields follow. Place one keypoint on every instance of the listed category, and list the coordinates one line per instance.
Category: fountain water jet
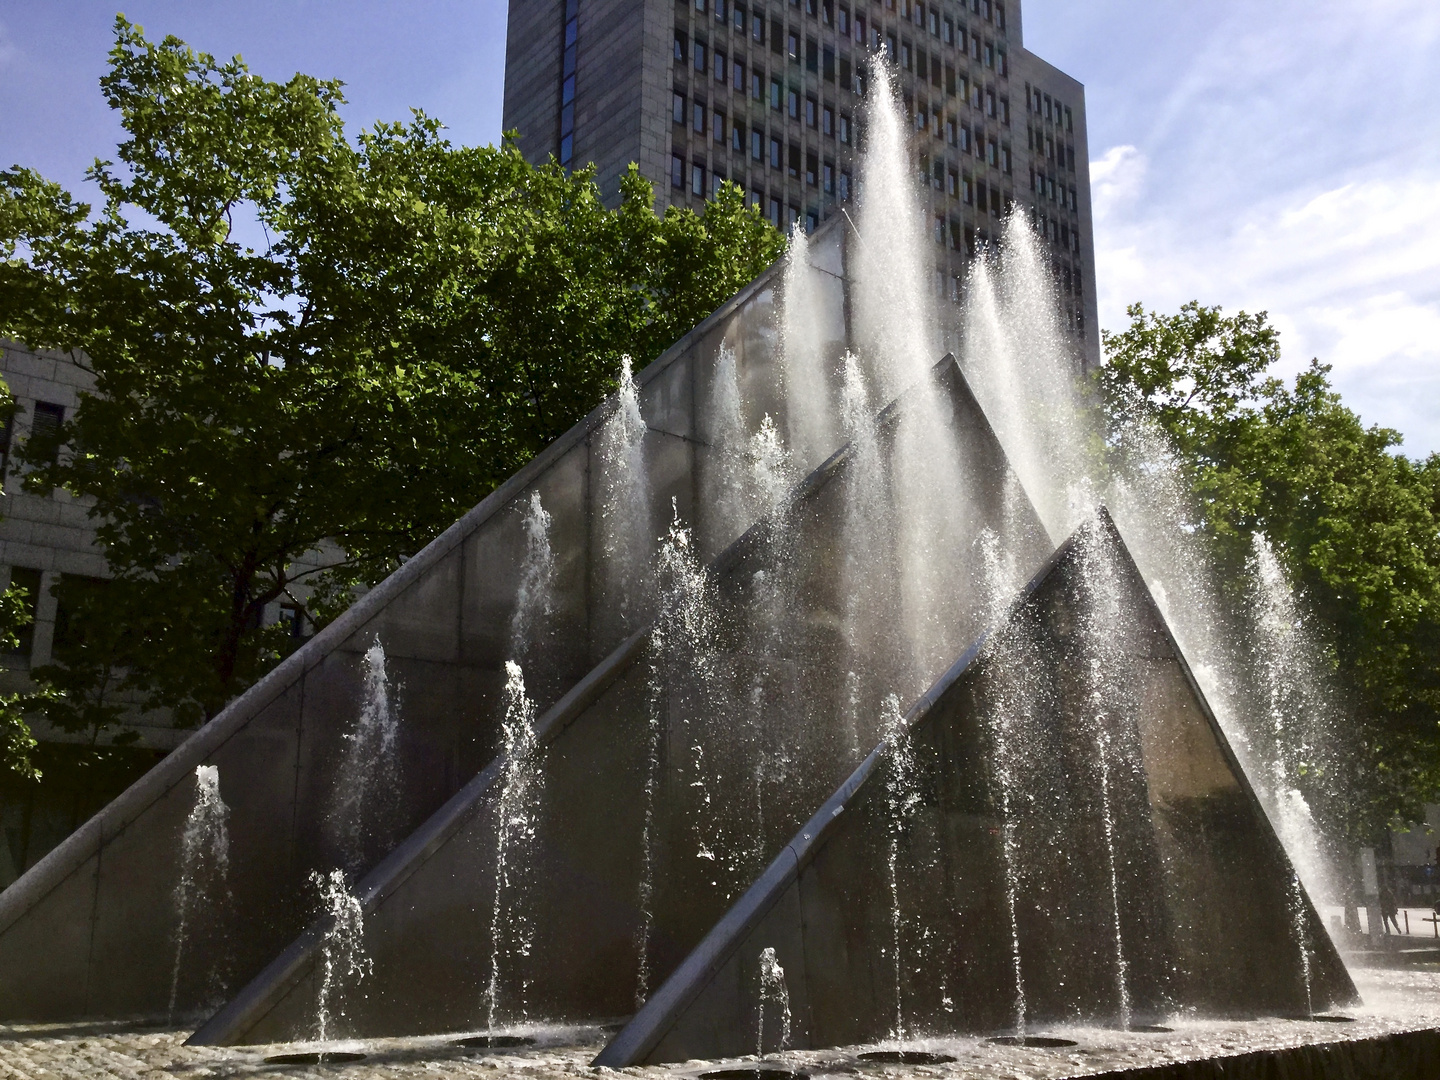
(204, 870)
(344, 962)
(367, 783)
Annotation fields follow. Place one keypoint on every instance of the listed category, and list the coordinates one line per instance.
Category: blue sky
(1282, 156)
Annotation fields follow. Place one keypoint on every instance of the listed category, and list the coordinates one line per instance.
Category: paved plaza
(1395, 1001)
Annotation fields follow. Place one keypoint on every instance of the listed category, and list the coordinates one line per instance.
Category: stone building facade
(767, 93)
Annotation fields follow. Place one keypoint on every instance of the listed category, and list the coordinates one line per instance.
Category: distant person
(1389, 912)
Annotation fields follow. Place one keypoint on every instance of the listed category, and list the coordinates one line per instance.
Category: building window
(792, 45)
(717, 126)
(697, 179)
(28, 579)
(719, 10)
(812, 221)
(680, 41)
(678, 111)
(812, 169)
(757, 27)
(952, 183)
(699, 49)
(739, 81)
(739, 19)
(827, 175)
(844, 187)
(775, 92)
(775, 153)
(568, 47)
(812, 55)
(697, 113)
(949, 35)
(812, 111)
(843, 25)
(827, 120)
(722, 67)
(677, 171)
(792, 104)
(792, 215)
(774, 211)
(737, 137)
(757, 85)
(45, 425)
(757, 144)
(794, 160)
(845, 129)
(699, 5)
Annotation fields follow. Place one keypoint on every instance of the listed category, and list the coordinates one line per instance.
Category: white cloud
(1350, 275)
(9, 51)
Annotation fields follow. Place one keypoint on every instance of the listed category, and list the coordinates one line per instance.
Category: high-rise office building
(768, 93)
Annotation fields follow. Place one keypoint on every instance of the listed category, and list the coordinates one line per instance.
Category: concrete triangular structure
(1099, 835)
(91, 930)
(428, 919)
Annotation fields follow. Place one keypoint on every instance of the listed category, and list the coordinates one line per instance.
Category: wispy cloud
(1281, 157)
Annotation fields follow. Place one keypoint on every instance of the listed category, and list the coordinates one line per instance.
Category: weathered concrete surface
(91, 930)
(765, 691)
(1394, 1037)
(1064, 806)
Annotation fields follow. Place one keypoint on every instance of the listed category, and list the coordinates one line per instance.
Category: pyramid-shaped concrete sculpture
(1058, 832)
(93, 929)
(638, 847)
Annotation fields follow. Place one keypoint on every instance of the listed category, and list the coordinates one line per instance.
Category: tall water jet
(512, 929)
(680, 661)
(1007, 715)
(775, 995)
(623, 487)
(343, 962)
(868, 575)
(894, 327)
(901, 798)
(1108, 703)
(534, 598)
(204, 873)
(367, 783)
(809, 411)
(727, 495)
(1026, 375)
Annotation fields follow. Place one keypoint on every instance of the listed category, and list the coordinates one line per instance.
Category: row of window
(823, 60)
(737, 76)
(816, 116)
(951, 31)
(1051, 109)
(1047, 146)
(789, 157)
(1047, 188)
(569, 48)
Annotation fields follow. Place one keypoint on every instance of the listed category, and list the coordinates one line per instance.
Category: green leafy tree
(1355, 523)
(303, 345)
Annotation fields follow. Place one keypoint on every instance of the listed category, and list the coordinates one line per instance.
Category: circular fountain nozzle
(315, 1057)
(905, 1057)
(1034, 1042)
(496, 1042)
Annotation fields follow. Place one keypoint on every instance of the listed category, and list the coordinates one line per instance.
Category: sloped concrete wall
(91, 930)
(886, 921)
(766, 689)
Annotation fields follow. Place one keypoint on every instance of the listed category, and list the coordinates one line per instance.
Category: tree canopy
(1355, 523)
(306, 343)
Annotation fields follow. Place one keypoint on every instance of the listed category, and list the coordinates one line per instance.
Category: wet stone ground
(1394, 1001)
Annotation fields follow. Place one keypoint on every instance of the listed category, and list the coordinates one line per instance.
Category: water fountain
(204, 884)
(889, 692)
